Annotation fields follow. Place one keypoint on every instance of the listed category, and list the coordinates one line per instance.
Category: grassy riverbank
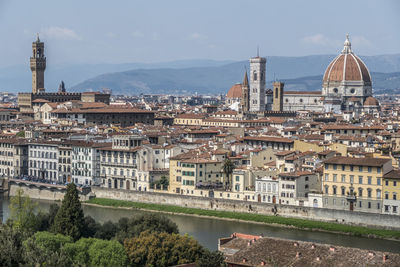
(293, 222)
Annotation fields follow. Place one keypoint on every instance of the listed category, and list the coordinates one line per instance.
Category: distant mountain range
(201, 76)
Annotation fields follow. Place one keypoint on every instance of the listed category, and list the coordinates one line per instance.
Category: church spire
(37, 38)
(347, 46)
(245, 79)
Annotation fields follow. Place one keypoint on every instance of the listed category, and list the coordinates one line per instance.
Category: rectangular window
(386, 208)
(334, 166)
(369, 169)
(343, 178)
(369, 193)
(351, 179)
(369, 179)
(343, 167)
(343, 191)
(351, 168)
(360, 168)
(334, 177)
(394, 183)
(378, 181)
(394, 209)
(360, 179)
(237, 178)
(386, 182)
(326, 177)
(378, 170)
(369, 205)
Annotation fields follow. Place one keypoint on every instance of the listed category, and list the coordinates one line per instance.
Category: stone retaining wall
(320, 214)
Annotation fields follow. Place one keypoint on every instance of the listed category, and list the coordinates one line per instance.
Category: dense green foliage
(300, 223)
(133, 227)
(150, 239)
(162, 249)
(70, 219)
(11, 247)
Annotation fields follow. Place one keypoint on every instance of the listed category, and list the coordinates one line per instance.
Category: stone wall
(320, 214)
(38, 192)
(341, 216)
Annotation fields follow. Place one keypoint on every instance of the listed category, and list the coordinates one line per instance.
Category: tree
(46, 220)
(228, 170)
(90, 227)
(22, 214)
(70, 219)
(210, 259)
(106, 231)
(45, 249)
(11, 246)
(132, 227)
(96, 252)
(162, 249)
(107, 253)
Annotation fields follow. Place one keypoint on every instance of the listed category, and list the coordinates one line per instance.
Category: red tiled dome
(371, 101)
(347, 67)
(235, 91)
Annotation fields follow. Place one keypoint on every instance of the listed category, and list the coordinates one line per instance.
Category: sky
(147, 31)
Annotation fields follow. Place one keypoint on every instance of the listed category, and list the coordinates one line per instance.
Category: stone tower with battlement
(277, 102)
(257, 84)
(38, 66)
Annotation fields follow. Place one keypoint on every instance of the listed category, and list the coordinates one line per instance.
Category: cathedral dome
(235, 91)
(371, 101)
(347, 67)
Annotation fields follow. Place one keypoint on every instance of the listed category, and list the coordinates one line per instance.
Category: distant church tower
(277, 102)
(257, 83)
(38, 66)
(244, 101)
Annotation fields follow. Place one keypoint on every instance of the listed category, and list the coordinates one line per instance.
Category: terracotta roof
(373, 162)
(371, 101)
(235, 91)
(394, 174)
(347, 67)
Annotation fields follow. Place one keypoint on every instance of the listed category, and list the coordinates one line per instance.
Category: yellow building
(354, 183)
(194, 176)
(391, 192)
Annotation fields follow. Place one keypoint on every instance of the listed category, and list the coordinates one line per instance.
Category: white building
(43, 160)
(85, 162)
(267, 189)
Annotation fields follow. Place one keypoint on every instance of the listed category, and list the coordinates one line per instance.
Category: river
(207, 231)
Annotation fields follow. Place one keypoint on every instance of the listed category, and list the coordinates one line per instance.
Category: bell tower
(38, 66)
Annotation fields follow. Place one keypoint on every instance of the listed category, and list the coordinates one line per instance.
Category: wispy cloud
(359, 40)
(317, 39)
(197, 36)
(60, 33)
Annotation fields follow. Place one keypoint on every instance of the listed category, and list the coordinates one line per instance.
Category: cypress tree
(70, 218)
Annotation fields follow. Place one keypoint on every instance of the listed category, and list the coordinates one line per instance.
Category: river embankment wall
(319, 214)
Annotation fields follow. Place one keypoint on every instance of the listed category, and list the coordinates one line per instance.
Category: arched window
(269, 187)
(276, 93)
(255, 76)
